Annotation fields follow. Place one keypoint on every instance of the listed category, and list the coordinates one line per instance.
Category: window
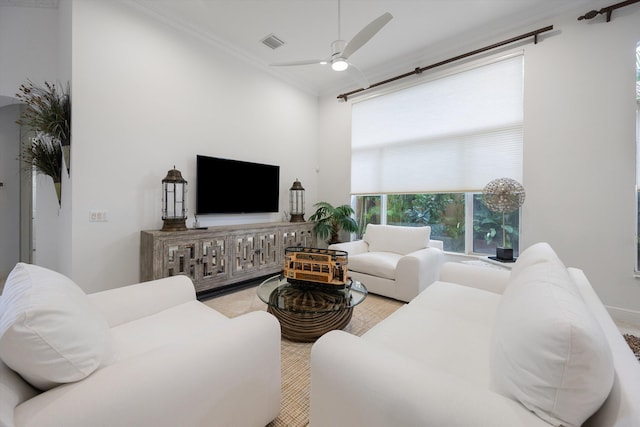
(368, 210)
(443, 212)
(422, 155)
(447, 214)
(491, 230)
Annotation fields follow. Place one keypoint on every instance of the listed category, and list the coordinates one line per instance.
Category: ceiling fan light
(339, 64)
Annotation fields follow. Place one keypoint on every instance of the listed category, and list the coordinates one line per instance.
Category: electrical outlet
(97, 216)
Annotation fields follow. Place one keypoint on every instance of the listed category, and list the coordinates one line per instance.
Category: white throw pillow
(537, 253)
(537, 263)
(397, 239)
(49, 333)
(548, 351)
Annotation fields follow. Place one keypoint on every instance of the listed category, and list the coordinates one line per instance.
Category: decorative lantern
(296, 202)
(174, 201)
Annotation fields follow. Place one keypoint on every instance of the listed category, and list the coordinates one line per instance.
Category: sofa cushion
(446, 327)
(49, 332)
(472, 305)
(379, 264)
(547, 349)
(161, 329)
(397, 239)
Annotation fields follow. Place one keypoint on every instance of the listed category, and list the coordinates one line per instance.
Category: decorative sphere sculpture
(503, 195)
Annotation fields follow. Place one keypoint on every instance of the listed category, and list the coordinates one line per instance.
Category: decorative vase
(58, 187)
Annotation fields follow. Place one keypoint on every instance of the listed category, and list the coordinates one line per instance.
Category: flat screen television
(225, 186)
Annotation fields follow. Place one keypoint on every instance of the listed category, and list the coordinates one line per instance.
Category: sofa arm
(489, 279)
(352, 248)
(227, 374)
(357, 383)
(121, 305)
(416, 271)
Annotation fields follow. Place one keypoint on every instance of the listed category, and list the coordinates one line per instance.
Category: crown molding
(149, 9)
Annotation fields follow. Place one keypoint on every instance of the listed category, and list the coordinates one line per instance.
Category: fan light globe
(339, 64)
(503, 195)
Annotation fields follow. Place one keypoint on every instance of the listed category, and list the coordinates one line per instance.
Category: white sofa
(394, 261)
(483, 347)
(149, 354)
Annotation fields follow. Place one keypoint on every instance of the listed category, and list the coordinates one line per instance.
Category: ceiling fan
(341, 50)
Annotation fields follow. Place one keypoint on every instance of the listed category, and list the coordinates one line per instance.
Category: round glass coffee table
(308, 311)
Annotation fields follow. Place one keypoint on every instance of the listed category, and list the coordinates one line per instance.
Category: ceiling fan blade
(358, 76)
(303, 62)
(366, 33)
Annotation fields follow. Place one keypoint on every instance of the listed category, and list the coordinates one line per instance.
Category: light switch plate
(97, 216)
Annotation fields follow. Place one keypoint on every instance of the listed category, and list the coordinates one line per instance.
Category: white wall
(29, 50)
(334, 156)
(10, 189)
(28, 46)
(580, 151)
(579, 158)
(147, 97)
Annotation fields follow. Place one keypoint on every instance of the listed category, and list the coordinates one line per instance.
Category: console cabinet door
(268, 250)
(180, 257)
(213, 263)
(297, 236)
(254, 253)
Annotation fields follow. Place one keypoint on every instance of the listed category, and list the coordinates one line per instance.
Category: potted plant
(48, 114)
(329, 220)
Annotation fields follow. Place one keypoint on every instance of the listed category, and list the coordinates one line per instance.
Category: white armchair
(394, 261)
(143, 355)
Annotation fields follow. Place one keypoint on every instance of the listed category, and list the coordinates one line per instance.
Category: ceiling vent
(272, 41)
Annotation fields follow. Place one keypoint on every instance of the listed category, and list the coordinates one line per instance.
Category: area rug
(295, 356)
(634, 343)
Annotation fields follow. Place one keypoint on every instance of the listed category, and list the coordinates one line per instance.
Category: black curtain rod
(419, 70)
(608, 10)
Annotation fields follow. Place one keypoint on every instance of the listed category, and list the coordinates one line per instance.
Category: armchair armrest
(438, 244)
(352, 248)
(208, 378)
(121, 305)
(489, 279)
(417, 270)
(357, 383)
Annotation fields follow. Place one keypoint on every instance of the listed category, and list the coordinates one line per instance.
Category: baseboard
(228, 289)
(624, 315)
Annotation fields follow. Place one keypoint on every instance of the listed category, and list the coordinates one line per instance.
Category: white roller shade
(453, 134)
